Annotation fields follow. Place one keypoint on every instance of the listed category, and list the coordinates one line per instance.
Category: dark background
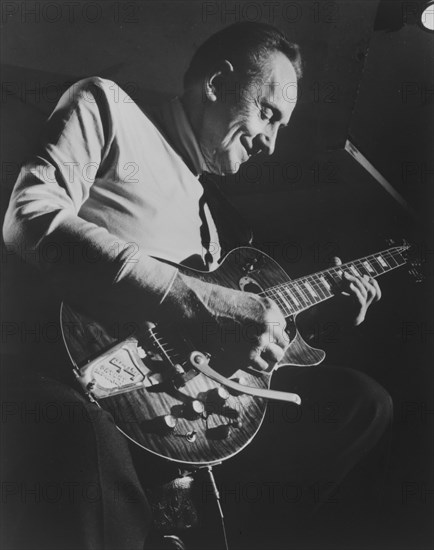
(369, 82)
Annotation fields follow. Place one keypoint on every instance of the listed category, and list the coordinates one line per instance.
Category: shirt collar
(181, 135)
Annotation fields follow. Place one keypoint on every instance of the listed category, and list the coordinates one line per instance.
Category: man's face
(238, 124)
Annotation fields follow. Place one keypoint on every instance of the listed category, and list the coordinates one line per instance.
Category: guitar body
(156, 396)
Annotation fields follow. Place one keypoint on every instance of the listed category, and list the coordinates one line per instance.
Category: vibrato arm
(201, 362)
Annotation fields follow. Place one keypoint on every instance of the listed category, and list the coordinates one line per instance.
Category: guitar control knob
(230, 412)
(193, 409)
(165, 424)
(219, 432)
(216, 399)
(162, 425)
(218, 395)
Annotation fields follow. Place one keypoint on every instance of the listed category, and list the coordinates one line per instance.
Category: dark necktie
(204, 228)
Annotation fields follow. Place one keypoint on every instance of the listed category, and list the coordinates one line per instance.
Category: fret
(298, 292)
(298, 295)
(310, 289)
(335, 274)
(278, 294)
(361, 268)
(306, 293)
(378, 270)
(293, 298)
(400, 259)
(318, 286)
(325, 283)
(330, 281)
(382, 261)
(274, 294)
(282, 297)
(354, 269)
(391, 260)
(369, 268)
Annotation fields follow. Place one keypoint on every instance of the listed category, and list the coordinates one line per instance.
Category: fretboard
(305, 292)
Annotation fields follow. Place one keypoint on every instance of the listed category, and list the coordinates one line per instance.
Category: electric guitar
(182, 397)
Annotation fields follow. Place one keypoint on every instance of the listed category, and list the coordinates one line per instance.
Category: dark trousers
(69, 481)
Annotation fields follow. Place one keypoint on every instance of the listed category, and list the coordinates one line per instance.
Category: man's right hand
(248, 323)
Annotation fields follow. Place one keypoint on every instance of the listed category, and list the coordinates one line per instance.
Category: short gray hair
(246, 45)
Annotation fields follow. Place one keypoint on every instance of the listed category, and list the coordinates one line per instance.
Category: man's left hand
(362, 290)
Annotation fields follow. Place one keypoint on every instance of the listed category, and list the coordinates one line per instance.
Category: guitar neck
(305, 292)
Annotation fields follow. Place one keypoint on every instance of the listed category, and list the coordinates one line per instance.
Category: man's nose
(268, 141)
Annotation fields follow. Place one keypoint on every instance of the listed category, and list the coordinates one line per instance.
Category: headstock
(412, 256)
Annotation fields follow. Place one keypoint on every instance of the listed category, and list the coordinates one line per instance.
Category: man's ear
(212, 82)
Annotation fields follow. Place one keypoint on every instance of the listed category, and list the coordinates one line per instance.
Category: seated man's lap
(301, 454)
(70, 470)
(71, 481)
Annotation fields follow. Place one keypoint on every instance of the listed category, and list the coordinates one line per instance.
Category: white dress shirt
(107, 193)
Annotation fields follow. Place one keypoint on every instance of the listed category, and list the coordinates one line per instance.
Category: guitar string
(358, 266)
(290, 308)
(332, 271)
(335, 273)
(294, 308)
(339, 268)
(284, 300)
(360, 260)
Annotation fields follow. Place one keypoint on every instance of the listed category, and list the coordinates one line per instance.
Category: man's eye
(266, 114)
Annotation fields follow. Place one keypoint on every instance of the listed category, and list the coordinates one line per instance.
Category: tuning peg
(415, 272)
(406, 244)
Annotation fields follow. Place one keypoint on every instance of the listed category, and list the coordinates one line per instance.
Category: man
(117, 191)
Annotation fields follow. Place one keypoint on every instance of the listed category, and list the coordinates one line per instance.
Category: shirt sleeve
(90, 266)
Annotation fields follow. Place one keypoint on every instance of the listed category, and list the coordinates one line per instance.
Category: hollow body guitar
(178, 394)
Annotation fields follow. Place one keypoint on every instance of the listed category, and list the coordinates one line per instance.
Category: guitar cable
(219, 506)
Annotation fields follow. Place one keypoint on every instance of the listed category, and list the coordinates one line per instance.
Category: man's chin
(230, 169)
(226, 167)
(230, 172)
